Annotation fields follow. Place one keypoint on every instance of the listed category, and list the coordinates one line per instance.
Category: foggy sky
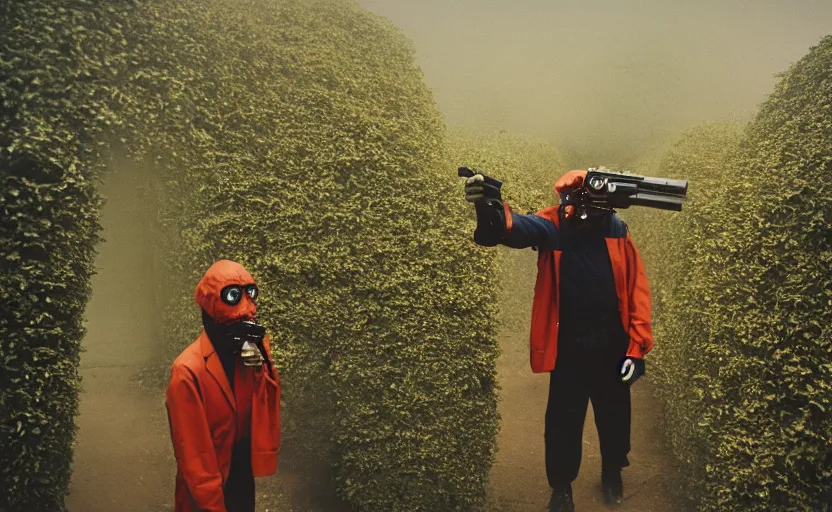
(603, 78)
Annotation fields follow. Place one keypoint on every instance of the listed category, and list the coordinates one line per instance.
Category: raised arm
(498, 225)
(504, 227)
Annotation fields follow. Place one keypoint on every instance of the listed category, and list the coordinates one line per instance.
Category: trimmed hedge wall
(675, 247)
(55, 101)
(745, 315)
(771, 297)
(323, 177)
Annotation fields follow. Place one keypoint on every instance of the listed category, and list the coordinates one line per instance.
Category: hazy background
(604, 80)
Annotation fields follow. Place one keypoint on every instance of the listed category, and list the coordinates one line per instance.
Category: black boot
(612, 485)
(561, 500)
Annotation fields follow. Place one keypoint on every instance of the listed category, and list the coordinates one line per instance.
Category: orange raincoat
(206, 417)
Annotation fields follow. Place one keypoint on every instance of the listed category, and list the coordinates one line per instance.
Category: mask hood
(207, 294)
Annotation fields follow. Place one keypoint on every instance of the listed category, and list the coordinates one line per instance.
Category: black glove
(478, 191)
(631, 369)
(491, 221)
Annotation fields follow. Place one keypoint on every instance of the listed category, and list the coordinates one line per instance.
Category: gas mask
(584, 222)
(580, 216)
(245, 336)
(227, 295)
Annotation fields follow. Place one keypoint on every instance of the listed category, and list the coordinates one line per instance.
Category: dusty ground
(124, 462)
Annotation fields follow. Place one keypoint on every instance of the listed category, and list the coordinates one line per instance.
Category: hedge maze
(298, 138)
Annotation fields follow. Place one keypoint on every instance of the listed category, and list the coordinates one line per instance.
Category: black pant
(239, 488)
(587, 369)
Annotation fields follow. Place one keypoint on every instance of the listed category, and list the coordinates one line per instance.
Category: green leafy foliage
(314, 161)
(675, 247)
(54, 74)
(772, 302)
(743, 281)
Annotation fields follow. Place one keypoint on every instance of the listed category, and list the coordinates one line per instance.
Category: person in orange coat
(590, 326)
(223, 399)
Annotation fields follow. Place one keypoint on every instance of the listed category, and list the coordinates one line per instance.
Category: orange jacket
(630, 285)
(206, 418)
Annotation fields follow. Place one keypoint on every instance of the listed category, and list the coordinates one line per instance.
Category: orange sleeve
(640, 331)
(192, 444)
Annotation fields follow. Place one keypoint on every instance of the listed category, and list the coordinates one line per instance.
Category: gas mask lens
(232, 295)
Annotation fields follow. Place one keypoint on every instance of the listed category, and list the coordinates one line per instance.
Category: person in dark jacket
(590, 325)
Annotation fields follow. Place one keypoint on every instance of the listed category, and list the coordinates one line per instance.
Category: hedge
(54, 87)
(297, 138)
(329, 192)
(771, 297)
(748, 362)
(674, 247)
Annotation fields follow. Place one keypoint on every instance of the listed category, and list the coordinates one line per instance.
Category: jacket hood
(207, 294)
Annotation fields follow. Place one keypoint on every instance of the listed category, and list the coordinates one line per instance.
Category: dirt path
(123, 460)
(518, 479)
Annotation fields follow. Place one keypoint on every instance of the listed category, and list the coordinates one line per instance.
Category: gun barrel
(664, 186)
(625, 190)
(662, 202)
